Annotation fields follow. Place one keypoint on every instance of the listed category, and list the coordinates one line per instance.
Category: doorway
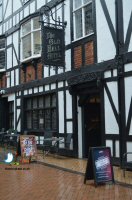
(92, 123)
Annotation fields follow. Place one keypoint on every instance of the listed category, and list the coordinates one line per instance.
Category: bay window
(31, 39)
(83, 18)
(40, 113)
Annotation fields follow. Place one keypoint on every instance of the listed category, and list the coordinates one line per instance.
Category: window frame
(31, 32)
(38, 109)
(82, 7)
(4, 50)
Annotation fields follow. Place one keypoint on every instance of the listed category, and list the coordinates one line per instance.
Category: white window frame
(32, 44)
(82, 7)
(2, 49)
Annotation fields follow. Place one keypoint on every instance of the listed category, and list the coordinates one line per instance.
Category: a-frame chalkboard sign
(99, 166)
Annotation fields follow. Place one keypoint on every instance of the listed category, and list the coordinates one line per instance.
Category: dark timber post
(120, 72)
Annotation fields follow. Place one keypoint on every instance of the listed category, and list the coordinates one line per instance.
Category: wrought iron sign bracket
(45, 10)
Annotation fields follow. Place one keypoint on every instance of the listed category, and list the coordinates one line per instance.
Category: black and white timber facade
(89, 96)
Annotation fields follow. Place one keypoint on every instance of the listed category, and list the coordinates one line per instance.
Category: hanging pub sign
(99, 166)
(53, 49)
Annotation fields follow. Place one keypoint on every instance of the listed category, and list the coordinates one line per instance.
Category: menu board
(99, 166)
(28, 147)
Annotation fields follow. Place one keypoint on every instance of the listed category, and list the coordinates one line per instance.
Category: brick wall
(39, 71)
(89, 53)
(88, 50)
(3, 81)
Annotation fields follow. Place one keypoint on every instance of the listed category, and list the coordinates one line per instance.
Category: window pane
(36, 23)
(41, 119)
(53, 118)
(54, 100)
(41, 102)
(47, 101)
(26, 28)
(2, 59)
(78, 3)
(47, 119)
(26, 46)
(37, 42)
(2, 43)
(29, 119)
(78, 22)
(28, 104)
(88, 19)
(35, 120)
(35, 102)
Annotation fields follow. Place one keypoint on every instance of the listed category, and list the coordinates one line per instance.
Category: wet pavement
(59, 178)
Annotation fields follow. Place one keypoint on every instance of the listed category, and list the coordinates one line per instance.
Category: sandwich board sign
(99, 166)
(28, 148)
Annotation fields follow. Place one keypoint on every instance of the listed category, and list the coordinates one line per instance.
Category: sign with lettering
(28, 147)
(53, 49)
(99, 166)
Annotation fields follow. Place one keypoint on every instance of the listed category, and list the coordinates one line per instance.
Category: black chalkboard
(99, 166)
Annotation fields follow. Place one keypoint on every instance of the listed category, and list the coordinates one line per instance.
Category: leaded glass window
(2, 53)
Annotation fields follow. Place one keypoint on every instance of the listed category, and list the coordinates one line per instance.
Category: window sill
(2, 70)
(30, 59)
(81, 38)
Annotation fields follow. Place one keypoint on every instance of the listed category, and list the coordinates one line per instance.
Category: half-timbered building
(89, 92)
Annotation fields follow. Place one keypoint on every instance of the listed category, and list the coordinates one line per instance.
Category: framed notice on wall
(28, 147)
(99, 166)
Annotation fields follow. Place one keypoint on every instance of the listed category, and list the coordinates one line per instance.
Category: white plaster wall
(61, 111)
(68, 105)
(69, 127)
(128, 97)
(111, 126)
(67, 19)
(68, 60)
(109, 143)
(16, 5)
(15, 43)
(127, 11)
(17, 76)
(9, 57)
(105, 46)
(8, 9)
(12, 78)
(129, 149)
(32, 7)
(128, 67)
(117, 151)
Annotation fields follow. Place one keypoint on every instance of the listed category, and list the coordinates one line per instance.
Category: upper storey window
(83, 18)
(0, 10)
(31, 39)
(2, 53)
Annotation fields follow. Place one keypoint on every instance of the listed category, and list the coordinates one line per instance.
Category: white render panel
(18, 102)
(9, 40)
(69, 127)
(68, 105)
(40, 88)
(9, 57)
(16, 5)
(53, 86)
(26, 11)
(12, 78)
(105, 50)
(59, 12)
(107, 74)
(46, 72)
(68, 60)
(30, 91)
(129, 149)
(40, 3)
(128, 67)
(32, 7)
(0, 29)
(51, 20)
(61, 111)
(60, 84)
(46, 87)
(25, 92)
(128, 97)
(8, 9)
(15, 63)
(115, 72)
(35, 90)
(17, 76)
(8, 81)
(52, 71)
(114, 92)
(111, 126)
(67, 19)
(109, 143)
(16, 42)
(60, 70)
(117, 149)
